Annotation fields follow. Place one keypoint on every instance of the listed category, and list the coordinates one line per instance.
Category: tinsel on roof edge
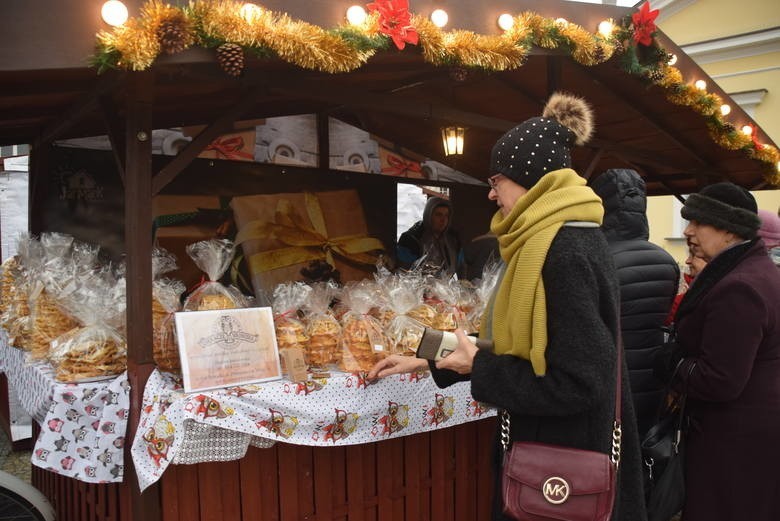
(221, 25)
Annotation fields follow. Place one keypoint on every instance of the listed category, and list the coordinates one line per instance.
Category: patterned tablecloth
(82, 425)
(343, 409)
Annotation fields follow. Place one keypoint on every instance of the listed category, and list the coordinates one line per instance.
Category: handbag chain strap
(617, 429)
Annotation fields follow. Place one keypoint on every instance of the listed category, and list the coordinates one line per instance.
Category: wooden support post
(138, 246)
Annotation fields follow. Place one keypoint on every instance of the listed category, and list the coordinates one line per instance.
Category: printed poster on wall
(227, 347)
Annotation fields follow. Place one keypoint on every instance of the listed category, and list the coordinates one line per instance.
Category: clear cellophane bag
(444, 295)
(422, 311)
(16, 316)
(96, 349)
(288, 300)
(483, 290)
(53, 276)
(404, 294)
(363, 339)
(213, 257)
(322, 327)
(166, 295)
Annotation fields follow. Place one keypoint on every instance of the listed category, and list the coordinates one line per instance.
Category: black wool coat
(729, 327)
(573, 404)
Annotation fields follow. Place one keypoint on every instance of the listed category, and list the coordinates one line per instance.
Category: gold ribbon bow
(304, 242)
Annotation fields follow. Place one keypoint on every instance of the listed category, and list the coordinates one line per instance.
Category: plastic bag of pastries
(213, 257)
(288, 300)
(444, 295)
(97, 349)
(363, 340)
(53, 275)
(14, 308)
(483, 290)
(322, 328)
(165, 302)
(403, 294)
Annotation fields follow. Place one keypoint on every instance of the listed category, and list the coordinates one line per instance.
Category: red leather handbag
(542, 482)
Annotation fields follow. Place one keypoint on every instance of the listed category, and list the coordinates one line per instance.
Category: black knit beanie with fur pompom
(542, 144)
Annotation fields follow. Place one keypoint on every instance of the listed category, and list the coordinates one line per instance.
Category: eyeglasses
(493, 181)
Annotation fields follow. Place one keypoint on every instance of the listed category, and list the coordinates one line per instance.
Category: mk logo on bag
(555, 490)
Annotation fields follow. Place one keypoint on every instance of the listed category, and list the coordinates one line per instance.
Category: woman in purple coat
(728, 336)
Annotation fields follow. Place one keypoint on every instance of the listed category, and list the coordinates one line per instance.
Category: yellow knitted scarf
(519, 311)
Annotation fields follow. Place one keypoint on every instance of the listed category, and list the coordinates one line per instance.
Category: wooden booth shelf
(442, 475)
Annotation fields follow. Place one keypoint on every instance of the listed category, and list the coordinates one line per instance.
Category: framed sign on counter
(227, 347)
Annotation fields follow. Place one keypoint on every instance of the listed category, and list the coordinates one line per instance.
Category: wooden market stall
(649, 118)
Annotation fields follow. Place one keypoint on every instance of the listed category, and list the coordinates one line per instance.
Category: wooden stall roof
(47, 92)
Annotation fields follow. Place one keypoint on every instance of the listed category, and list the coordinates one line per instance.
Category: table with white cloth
(333, 410)
(82, 426)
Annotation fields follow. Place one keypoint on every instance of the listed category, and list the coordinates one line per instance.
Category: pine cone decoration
(172, 35)
(620, 48)
(230, 57)
(655, 75)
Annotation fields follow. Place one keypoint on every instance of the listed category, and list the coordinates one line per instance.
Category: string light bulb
(606, 27)
(506, 21)
(747, 130)
(725, 109)
(114, 13)
(439, 17)
(700, 84)
(250, 11)
(562, 21)
(672, 60)
(356, 15)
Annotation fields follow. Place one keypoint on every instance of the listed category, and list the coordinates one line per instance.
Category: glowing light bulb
(747, 130)
(250, 11)
(356, 15)
(725, 109)
(778, 166)
(114, 13)
(561, 21)
(700, 84)
(672, 60)
(439, 17)
(506, 21)
(605, 28)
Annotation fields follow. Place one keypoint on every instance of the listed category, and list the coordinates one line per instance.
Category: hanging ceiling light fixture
(452, 139)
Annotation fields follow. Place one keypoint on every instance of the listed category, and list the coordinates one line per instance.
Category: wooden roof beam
(85, 106)
(222, 124)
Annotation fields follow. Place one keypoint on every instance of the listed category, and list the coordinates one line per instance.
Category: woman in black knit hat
(728, 358)
(554, 318)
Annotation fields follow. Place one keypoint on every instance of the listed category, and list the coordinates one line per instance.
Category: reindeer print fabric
(343, 409)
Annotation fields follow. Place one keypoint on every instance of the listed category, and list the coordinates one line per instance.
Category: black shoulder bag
(663, 454)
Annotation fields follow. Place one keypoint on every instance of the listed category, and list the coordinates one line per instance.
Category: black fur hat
(542, 144)
(725, 206)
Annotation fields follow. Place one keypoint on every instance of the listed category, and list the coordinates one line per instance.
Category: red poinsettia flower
(395, 21)
(644, 24)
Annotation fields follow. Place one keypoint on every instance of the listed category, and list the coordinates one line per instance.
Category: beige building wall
(737, 69)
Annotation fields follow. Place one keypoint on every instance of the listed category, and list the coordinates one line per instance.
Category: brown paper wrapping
(282, 233)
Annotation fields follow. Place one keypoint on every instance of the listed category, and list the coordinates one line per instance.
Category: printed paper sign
(227, 347)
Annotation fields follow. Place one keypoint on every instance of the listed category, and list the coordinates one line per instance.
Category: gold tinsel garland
(209, 23)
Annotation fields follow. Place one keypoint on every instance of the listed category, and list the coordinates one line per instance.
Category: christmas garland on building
(221, 25)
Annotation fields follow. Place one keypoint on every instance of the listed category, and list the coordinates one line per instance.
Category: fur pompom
(573, 113)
